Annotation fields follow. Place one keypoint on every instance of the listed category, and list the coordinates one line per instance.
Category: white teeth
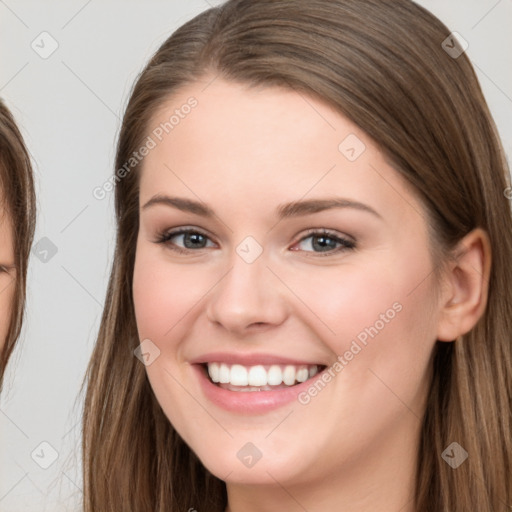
(259, 377)
(224, 374)
(289, 375)
(274, 375)
(302, 375)
(213, 371)
(239, 375)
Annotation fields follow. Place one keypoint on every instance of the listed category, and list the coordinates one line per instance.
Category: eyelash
(165, 237)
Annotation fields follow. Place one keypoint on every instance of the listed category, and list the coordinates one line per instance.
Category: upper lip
(251, 359)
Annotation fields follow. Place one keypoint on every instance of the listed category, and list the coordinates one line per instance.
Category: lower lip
(249, 402)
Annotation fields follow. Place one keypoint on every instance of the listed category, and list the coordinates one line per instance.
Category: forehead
(264, 142)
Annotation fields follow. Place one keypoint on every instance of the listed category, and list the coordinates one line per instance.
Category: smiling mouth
(237, 377)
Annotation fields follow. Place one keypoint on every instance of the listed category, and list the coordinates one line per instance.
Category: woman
(17, 224)
(310, 305)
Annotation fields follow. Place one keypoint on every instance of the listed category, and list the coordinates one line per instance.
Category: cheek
(386, 333)
(379, 316)
(167, 297)
(163, 294)
(346, 302)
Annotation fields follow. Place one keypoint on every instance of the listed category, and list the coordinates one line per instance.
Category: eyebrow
(283, 211)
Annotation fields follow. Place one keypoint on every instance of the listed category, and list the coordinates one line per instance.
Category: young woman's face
(306, 252)
(7, 274)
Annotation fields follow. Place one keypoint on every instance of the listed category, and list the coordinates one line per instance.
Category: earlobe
(466, 284)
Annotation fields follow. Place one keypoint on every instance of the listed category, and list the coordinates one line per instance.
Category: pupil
(195, 238)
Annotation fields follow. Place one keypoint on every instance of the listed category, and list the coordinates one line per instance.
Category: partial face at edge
(361, 295)
(7, 274)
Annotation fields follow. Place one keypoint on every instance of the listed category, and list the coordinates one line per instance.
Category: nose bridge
(249, 293)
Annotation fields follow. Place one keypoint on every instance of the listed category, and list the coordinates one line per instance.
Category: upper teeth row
(259, 375)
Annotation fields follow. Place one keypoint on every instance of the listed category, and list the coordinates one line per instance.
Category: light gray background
(69, 107)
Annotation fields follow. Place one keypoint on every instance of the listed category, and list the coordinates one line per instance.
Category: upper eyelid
(184, 230)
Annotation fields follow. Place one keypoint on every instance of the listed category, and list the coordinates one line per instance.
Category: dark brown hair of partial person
(19, 207)
(380, 63)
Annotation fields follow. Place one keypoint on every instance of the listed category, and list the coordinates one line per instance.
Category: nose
(249, 297)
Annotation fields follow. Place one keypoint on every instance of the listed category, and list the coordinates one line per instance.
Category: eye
(184, 240)
(190, 238)
(324, 241)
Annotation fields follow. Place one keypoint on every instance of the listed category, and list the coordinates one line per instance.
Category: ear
(465, 286)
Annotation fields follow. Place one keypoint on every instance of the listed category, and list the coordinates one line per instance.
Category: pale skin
(244, 152)
(7, 274)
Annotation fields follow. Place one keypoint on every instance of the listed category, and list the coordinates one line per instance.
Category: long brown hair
(382, 64)
(19, 204)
